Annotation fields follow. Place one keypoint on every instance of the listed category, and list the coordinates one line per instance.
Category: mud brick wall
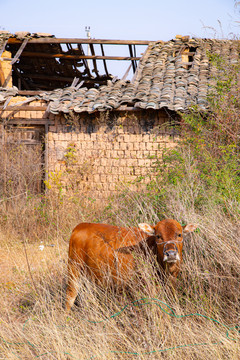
(6, 71)
(97, 154)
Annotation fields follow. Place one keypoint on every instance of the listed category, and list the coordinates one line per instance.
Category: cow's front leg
(72, 287)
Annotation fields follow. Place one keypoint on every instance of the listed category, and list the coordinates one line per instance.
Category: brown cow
(104, 251)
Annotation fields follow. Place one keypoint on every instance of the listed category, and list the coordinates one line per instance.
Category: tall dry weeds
(112, 325)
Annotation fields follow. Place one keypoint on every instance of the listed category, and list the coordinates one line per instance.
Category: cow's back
(93, 247)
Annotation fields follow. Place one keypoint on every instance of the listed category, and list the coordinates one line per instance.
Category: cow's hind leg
(73, 285)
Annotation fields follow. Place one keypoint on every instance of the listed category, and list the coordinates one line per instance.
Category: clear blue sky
(124, 19)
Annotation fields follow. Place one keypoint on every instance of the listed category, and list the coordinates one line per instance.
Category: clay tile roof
(178, 73)
(175, 74)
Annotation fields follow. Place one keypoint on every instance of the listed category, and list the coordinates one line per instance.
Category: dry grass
(107, 325)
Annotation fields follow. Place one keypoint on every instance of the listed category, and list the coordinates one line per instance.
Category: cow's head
(168, 235)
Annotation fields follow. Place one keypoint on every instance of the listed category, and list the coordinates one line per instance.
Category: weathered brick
(74, 136)
(140, 154)
(93, 136)
(145, 138)
(126, 154)
(131, 162)
(112, 186)
(103, 161)
(129, 146)
(126, 138)
(120, 153)
(61, 136)
(122, 170)
(103, 178)
(123, 146)
(122, 162)
(116, 145)
(96, 178)
(88, 153)
(132, 138)
(136, 146)
(155, 145)
(97, 162)
(148, 162)
(134, 154)
(149, 146)
(141, 162)
(115, 162)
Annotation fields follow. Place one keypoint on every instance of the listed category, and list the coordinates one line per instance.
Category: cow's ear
(148, 229)
(189, 228)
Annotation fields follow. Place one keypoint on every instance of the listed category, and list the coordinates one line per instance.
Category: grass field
(152, 323)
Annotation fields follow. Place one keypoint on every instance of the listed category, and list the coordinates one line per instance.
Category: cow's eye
(179, 235)
(158, 236)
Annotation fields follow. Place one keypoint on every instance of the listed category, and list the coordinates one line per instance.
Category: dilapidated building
(95, 128)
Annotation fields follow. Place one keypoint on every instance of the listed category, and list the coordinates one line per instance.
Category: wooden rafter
(20, 77)
(95, 69)
(133, 62)
(70, 49)
(127, 72)
(104, 61)
(19, 52)
(80, 48)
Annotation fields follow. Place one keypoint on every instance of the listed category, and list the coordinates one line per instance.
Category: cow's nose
(171, 256)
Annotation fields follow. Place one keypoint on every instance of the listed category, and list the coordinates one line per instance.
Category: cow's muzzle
(171, 256)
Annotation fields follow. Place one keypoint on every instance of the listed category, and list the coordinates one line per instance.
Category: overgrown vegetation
(206, 162)
(196, 182)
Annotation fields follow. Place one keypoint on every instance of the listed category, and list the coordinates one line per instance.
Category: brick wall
(96, 154)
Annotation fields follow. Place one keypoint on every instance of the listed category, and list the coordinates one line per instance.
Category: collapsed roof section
(42, 62)
(174, 75)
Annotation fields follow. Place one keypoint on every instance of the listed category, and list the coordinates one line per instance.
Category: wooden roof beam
(79, 41)
(75, 57)
(23, 108)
